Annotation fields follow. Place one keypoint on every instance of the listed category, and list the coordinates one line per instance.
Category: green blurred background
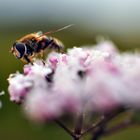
(117, 20)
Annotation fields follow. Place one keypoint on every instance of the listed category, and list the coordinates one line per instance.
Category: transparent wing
(39, 33)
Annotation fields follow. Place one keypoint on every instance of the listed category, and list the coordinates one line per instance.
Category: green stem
(122, 125)
(103, 121)
(69, 131)
(79, 124)
(98, 134)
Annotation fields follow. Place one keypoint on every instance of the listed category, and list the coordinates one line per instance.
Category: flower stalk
(69, 131)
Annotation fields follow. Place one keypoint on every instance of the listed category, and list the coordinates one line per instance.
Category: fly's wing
(39, 33)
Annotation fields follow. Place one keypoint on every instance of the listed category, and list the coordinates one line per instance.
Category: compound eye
(19, 49)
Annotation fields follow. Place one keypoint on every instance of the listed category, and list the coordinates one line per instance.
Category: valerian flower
(88, 79)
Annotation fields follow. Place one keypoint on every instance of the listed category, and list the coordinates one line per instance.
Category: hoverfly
(34, 44)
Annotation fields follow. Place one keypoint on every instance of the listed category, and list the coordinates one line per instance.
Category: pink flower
(96, 79)
(19, 87)
(45, 105)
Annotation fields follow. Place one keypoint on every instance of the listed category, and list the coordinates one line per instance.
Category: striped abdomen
(50, 43)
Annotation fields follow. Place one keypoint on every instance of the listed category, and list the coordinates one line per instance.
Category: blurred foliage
(13, 125)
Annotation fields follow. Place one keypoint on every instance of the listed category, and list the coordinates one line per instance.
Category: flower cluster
(89, 79)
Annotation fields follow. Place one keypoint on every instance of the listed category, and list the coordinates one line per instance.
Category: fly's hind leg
(41, 53)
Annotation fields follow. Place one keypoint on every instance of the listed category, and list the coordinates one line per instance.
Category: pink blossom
(19, 87)
(95, 79)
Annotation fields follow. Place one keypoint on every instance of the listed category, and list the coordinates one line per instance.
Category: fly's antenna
(57, 30)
